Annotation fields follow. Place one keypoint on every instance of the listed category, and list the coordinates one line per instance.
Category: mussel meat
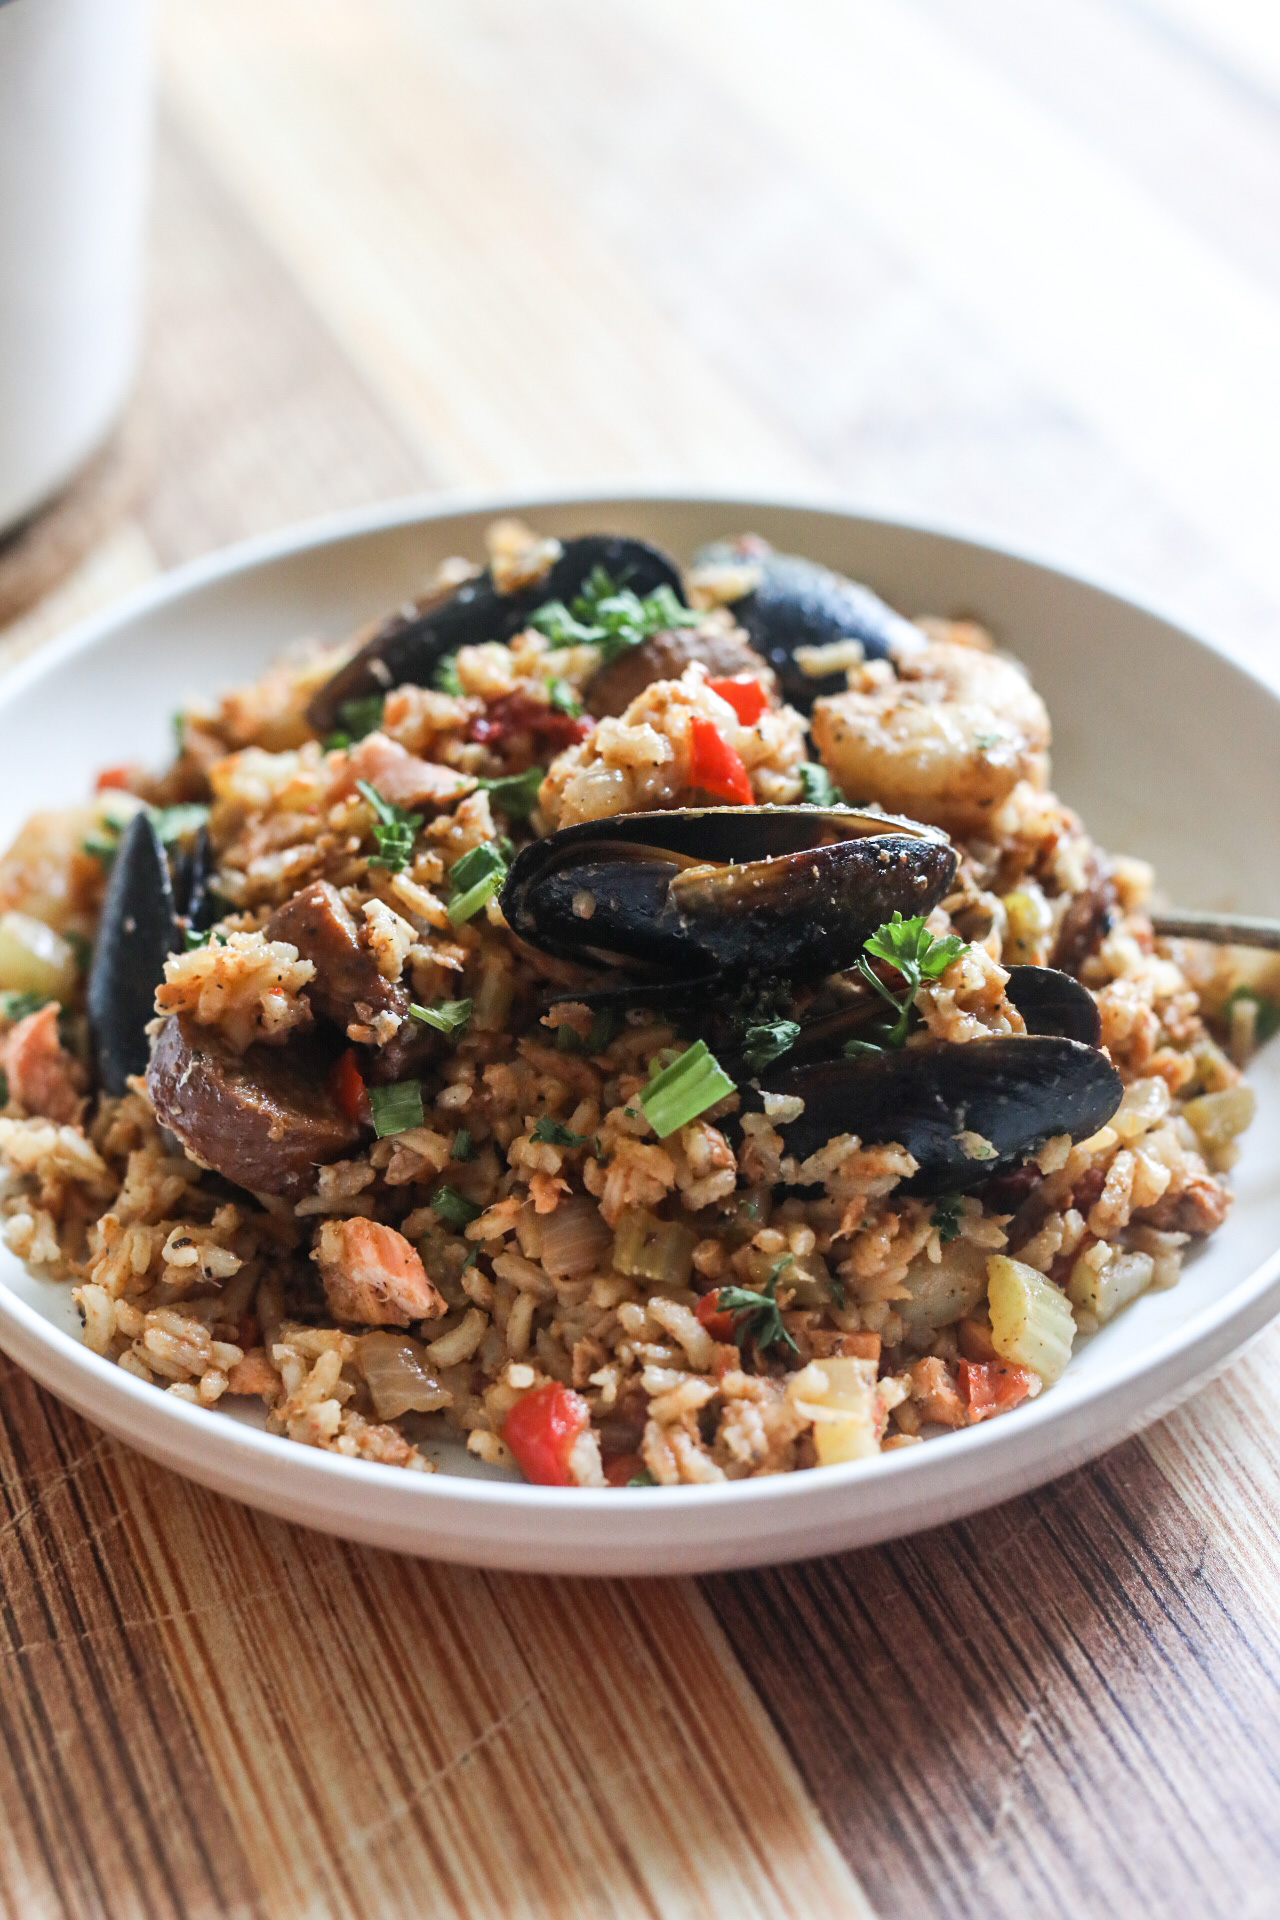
(407, 648)
(791, 892)
(138, 929)
(964, 1112)
(792, 602)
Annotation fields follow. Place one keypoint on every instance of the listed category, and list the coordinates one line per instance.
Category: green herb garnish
(463, 1147)
(817, 789)
(691, 1084)
(447, 1016)
(516, 794)
(393, 830)
(763, 1044)
(604, 1029)
(1266, 1021)
(611, 617)
(474, 880)
(563, 699)
(4, 1088)
(360, 717)
(946, 1216)
(396, 1108)
(445, 678)
(171, 824)
(642, 1479)
(757, 1316)
(917, 956)
(454, 1208)
(551, 1133)
(16, 1006)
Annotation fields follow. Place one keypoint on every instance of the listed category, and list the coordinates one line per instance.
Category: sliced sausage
(664, 656)
(317, 923)
(264, 1119)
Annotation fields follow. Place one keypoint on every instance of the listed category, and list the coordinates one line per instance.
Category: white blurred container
(75, 148)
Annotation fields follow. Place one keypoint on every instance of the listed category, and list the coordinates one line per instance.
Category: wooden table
(963, 258)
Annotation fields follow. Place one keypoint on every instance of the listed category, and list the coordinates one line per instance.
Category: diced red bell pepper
(113, 779)
(715, 767)
(622, 1470)
(989, 1387)
(747, 698)
(541, 1430)
(517, 713)
(717, 1323)
(348, 1085)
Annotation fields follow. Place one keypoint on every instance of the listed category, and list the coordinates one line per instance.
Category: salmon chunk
(373, 1276)
(43, 1077)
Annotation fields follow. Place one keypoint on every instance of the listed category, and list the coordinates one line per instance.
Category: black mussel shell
(800, 603)
(1014, 1092)
(1054, 1003)
(791, 891)
(192, 884)
(137, 931)
(407, 648)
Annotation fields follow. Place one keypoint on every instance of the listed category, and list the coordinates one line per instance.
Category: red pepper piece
(348, 1085)
(620, 1472)
(715, 767)
(717, 1323)
(113, 779)
(517, 713)
(747, 698)
(989, 1387)
(541, 1429)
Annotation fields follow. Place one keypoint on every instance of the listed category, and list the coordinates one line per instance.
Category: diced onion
(1103, 1287)
(35, 959)
(399, 1376)
(574, 1238)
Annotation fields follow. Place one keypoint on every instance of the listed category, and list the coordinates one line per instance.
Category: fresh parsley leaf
(16, 1006)
(171, 824)
(757, 1316)
(463, 1147)
(362, 716)
(454, 1208)
(392, 829)
(946, 1216)
(611, 617)
(907, 946)
(563, 699)
(445, 678)
(550, 1133)
(447, 1016)
(336, 742)
(516, 794)
(474, 880)
(817, 789)
(192, 940)
(396, 1108)
(768, 1042)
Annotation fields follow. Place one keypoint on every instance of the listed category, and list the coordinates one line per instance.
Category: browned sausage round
(664, 656)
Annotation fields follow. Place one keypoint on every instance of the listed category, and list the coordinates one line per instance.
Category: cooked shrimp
(372, 1275)
(946, 742)
(43, 1077)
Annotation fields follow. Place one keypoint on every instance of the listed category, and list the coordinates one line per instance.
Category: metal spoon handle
(1225, 929)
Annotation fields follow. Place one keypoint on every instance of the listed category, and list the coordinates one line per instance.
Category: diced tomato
(112, 779)
(517, 713)
(719, 1325)
(620, 1472)
(747, 698)
(348, 1085)
(715, 767)
(989, 1387)
(541, 1429)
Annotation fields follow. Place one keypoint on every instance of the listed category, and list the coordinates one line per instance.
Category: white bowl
(1168, 750)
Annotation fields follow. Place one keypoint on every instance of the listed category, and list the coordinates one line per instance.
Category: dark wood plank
(1069, 1705)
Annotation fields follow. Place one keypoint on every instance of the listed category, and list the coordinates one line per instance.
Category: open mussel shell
(800, 603)
(137, 931)
(1013, 1093)
(193, 893)
(791, 891)
(406, 649)
(1055, 1003)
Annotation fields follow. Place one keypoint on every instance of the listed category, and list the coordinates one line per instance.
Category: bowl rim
(1214, 1331)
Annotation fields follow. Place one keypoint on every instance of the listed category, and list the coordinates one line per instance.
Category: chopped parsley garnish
(563, 699)
(757, 1316)
(642, 1479)
(171, 824)
(393, 830)
(551, 1133)
(946, 1216)
(397, 1107)
(447, 1016)
(604, 1029)
(610, 617)
(763, 1044)
(516, 794)
(81, 946)
(454, 1208)
(16, 1006)
(817, 788)
(192, 940)
(178, 722)
(474, 880)
(445, 678)
(362, 716)
(463, 1147)
(917, 956)
(1266, 1021)
(691, 1084)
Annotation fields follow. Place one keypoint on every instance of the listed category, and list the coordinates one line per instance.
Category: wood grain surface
(406, 243)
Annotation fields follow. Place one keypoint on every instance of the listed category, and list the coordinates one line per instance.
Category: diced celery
(35, 959)
(945, 1290)
(653, 1249)
(1218, 1117)
(1031, 1322)
(1103, 1287)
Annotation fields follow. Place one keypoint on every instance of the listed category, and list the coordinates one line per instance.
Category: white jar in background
(75, 148)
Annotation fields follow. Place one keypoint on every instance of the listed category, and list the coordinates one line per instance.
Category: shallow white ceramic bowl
(1169, 751)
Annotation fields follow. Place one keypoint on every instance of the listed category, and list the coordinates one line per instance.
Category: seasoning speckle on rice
(610, 1164)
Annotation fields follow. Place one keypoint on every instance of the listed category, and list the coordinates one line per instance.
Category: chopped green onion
(551, 1133)
(474, 880)
(178, 722)
(817, 789)
(643, 1479)
(445, 679)
(604, 1029)
(463, 1147)
(396, 1108)
(685, 1089)
(1266, 1021)
(454, 1208)
(393, 830)
(946, 1216)
(336, 742)
(172, 823)
(853, 1049)
(362, 716)
(516, 794)
(447, 1016)
(764, 1044)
